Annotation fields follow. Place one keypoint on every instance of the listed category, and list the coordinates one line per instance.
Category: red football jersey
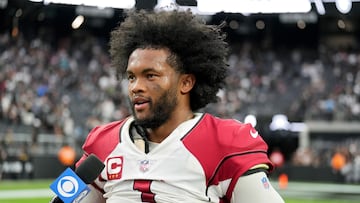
(200, 161)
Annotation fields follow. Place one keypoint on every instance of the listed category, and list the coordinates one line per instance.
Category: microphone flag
(69, 187)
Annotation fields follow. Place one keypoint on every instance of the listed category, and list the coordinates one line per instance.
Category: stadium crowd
(66, 87)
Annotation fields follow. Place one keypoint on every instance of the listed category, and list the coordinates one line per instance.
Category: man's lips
(139, 107)
(140, 103)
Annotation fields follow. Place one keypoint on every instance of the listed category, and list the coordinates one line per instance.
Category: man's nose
(137, 85)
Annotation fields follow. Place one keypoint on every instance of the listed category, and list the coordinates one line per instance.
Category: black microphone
(87, 171)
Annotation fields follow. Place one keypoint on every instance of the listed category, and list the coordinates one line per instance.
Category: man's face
(153, 87)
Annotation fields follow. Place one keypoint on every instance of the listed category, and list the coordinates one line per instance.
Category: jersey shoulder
(231, 134)
(226, 148)
(102, 139)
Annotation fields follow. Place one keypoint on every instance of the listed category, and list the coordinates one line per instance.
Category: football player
(168, 151)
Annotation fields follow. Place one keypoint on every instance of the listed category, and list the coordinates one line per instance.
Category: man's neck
(161, 133)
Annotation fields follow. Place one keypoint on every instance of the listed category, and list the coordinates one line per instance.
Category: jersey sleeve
(255, 188)
(245, 150)
(101, 140)
(247, 147)
(226, 150)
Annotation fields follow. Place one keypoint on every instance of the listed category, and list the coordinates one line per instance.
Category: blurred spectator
(277, 157)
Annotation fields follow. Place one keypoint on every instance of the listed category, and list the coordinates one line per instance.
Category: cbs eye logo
(67, 186)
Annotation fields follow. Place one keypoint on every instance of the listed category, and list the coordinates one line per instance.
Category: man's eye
(130, 77)
(150, 76)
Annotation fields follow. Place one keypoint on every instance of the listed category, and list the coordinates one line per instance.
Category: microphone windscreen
(90, 169)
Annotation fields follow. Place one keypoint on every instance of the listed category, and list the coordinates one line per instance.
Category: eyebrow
(143, 71)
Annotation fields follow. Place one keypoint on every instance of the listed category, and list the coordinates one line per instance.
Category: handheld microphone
(71, 186)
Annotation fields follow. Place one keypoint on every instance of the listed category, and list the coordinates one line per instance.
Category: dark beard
(161, 111)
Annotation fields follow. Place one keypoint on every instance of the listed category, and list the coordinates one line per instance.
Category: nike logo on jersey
(254, 133)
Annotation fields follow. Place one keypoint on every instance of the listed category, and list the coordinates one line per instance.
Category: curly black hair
(196, 48)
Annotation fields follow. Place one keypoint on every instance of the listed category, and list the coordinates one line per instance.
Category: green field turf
(37, 200)
(297, 200)
(24, 184)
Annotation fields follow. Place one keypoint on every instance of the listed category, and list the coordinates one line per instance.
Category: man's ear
(187, 83)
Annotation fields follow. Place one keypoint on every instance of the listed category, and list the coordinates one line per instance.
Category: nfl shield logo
(144, 165)
(265, 182)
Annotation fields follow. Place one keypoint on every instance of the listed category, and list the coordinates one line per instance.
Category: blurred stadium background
(295, 74)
